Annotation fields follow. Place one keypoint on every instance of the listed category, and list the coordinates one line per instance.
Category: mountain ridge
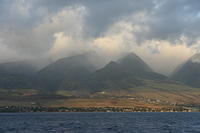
(79, 72)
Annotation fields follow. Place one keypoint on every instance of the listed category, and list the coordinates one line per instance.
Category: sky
(164, 33)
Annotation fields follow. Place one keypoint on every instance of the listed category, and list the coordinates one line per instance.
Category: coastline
(28, 109)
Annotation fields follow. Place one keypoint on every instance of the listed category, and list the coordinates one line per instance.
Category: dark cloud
(169, 18)
(175, 18)
(105, 12)
(34, 27)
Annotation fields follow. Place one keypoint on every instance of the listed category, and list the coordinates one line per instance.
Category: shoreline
(31, 109)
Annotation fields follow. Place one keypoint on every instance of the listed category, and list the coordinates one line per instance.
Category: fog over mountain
(163, 33)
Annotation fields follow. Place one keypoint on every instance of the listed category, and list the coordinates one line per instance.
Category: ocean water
(100, 123)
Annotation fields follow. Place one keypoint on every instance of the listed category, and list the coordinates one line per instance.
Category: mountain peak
(111, 63)
(195, 58)
(134, 63)
(130, 56)
(111, 66)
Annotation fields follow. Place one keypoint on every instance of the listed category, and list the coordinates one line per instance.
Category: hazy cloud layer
(164, 33)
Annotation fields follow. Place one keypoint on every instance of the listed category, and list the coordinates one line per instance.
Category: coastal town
(21, 109)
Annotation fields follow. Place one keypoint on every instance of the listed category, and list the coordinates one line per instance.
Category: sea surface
(100, 123)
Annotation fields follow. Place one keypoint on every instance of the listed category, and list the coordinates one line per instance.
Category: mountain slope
(66, 73)
(189, 72)
(112, 77)
(17, 67)
(123, 74)
(16, 74)
(133, 64)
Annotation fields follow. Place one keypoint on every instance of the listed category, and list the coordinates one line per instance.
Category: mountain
(125, 73)
(189, 72)
(79, 72)
(16, 74)
(77, 82)
(133, 64)
(112, 76)
(66, 73)
(17, 67)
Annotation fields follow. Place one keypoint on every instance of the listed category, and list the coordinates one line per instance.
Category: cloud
(162, 55)
(114, 42)
(20, 8)
(156, 30)
(167, 57)
(11, 55)
(67, 29)
(65, 46)
(37, 41)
